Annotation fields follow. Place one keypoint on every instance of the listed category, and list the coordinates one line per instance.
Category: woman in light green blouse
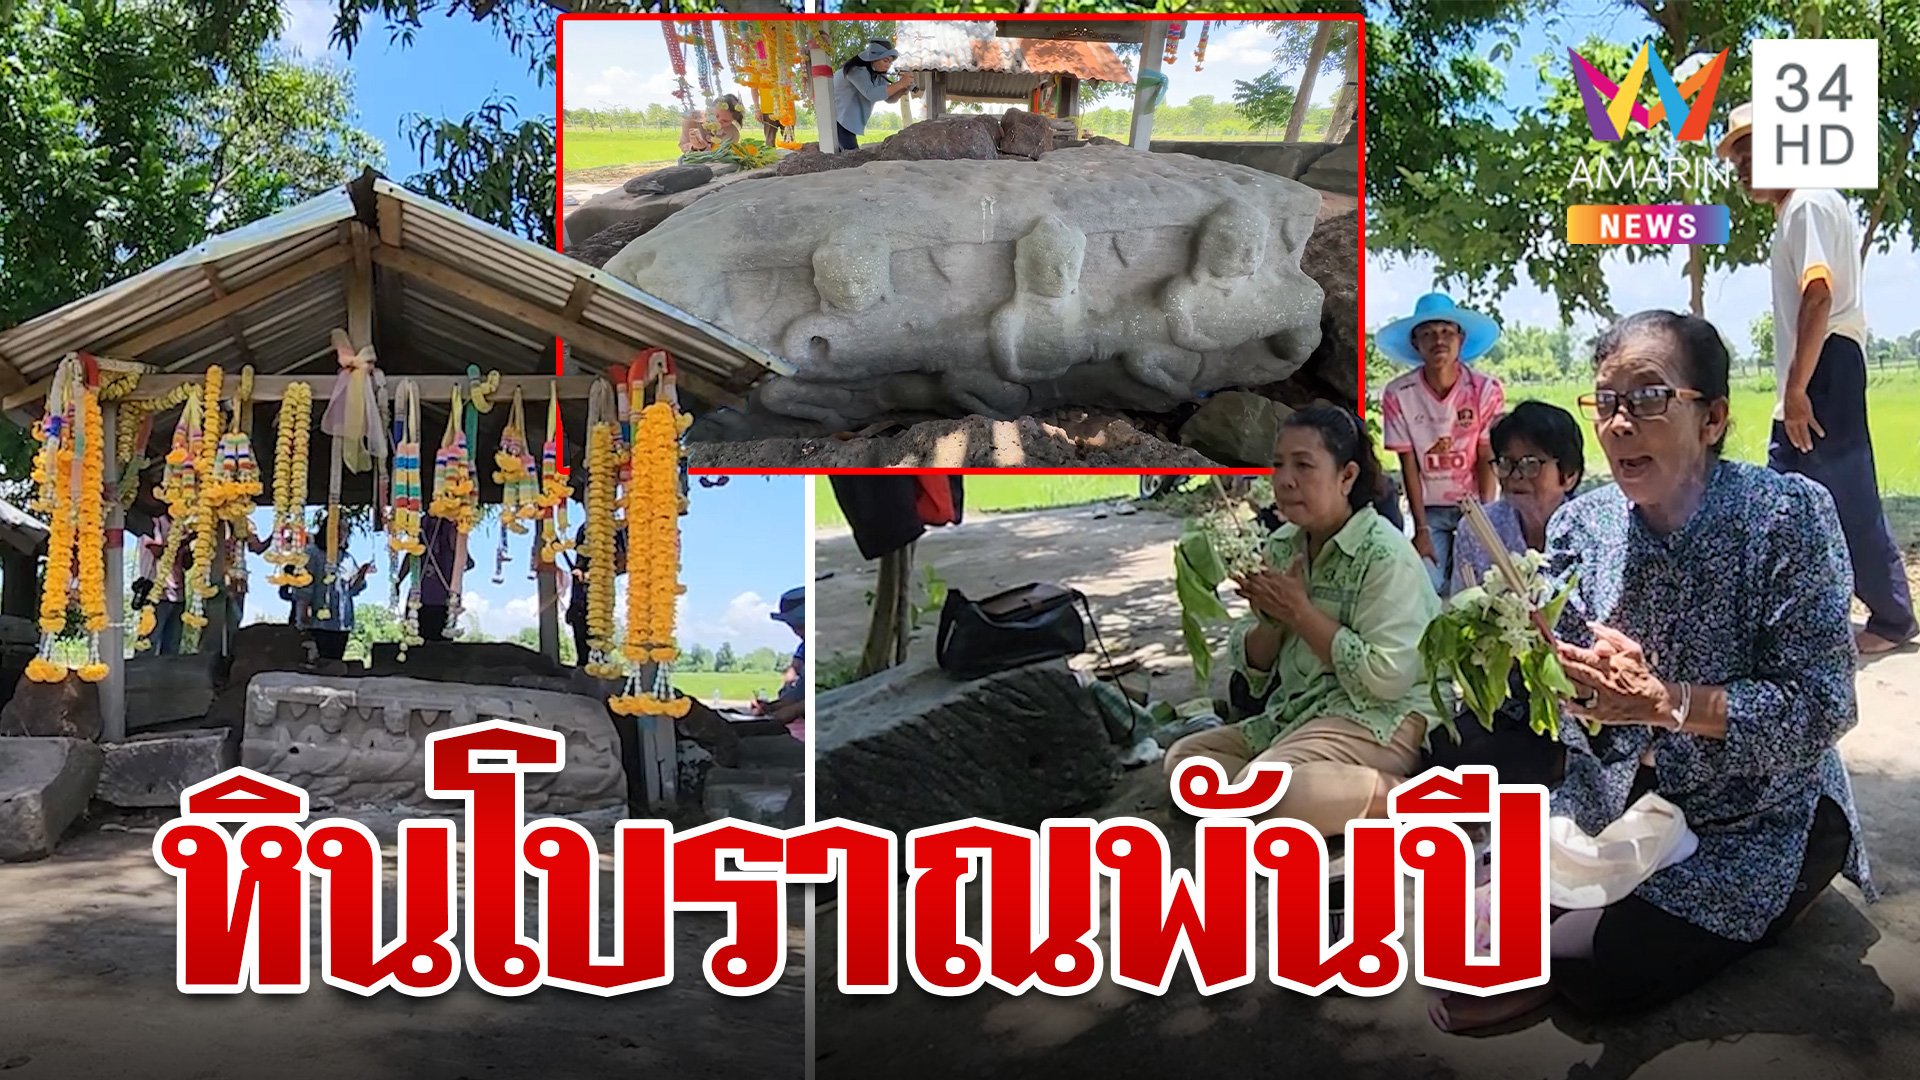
(1330, 656)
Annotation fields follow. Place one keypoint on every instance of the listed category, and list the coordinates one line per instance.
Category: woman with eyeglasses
(1539, 457)
(1708, 637)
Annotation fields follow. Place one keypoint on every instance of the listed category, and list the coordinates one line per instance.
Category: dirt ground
(1095, 442)
(1839, 997)
(87, 990)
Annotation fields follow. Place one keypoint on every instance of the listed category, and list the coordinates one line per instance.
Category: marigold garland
(205, 519)
(72, 475)
(291, 442)
(653, 507)
(555, 538)
(602, 478)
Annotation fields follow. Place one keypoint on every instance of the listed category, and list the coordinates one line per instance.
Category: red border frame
(1360, 118)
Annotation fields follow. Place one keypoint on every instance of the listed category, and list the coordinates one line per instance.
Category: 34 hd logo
(1611, 108)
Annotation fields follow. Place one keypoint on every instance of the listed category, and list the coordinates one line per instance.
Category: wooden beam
(113, 645)
(432, 387)
(360, 287)
(10, 377)
(130, 348)
(390, 211)
(234, 324)
(239, 300)
(577, 300)
(600, 343)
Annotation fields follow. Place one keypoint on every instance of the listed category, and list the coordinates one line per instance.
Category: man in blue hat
(1437, 418)
(790, 705)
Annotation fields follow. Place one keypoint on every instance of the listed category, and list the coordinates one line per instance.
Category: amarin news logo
(1610, 106)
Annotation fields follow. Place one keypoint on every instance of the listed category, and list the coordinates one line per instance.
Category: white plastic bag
(1594, 871)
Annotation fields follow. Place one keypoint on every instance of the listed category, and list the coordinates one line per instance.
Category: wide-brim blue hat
(793, 608)
(1479, 332)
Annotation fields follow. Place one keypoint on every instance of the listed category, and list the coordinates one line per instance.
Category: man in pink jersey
(1437, 417)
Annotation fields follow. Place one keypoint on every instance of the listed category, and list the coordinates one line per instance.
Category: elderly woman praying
(1708, 637)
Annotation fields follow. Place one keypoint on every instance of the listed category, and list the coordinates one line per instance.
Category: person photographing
(859, 83)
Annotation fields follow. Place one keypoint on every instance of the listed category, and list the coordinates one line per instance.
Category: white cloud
(306, 26)
(615, 86)
(1246, 43)
(745, 622)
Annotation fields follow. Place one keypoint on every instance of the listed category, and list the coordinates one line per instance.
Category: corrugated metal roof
(433, 328)
(973, 46)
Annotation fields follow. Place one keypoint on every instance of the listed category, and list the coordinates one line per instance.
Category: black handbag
(1023, 625)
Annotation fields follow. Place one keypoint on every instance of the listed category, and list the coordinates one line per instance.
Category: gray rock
(45, 784)
(67, 709)
(1290, 160)
(666, 181)
(912, 747)
(152, 770)
(15, 630)
(1332, 258)
(363, 741)
(1090, 277)
(163, 689)
(1336, 170)
(488, 663)
(1025, 134)
(610, 208)
(265, 647)
(1236, 427)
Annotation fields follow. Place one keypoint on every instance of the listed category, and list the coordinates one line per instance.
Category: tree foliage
(131, 132)
(490, 164)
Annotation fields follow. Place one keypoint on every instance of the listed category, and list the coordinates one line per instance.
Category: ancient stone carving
(1096, 276)
(361, 741)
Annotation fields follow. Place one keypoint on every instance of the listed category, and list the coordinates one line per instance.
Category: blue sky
(612, 64)
(742, 545)
(1732, 299)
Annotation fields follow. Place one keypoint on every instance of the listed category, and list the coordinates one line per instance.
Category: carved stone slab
(363, 741)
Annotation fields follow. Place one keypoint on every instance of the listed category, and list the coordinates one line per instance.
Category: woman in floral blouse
(1710, 638)
(1331, 655)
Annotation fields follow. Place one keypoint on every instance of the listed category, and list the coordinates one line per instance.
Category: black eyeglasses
(1642, 402)
(1525, 468)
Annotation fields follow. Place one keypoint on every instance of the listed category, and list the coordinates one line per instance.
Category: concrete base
(44, 787)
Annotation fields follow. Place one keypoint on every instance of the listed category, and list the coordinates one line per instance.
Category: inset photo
(1014, 242)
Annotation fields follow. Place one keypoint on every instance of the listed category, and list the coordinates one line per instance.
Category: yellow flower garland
(72, 472)
(653, 506)
(92, 537)
(602, 477)
(206, 521)
(292, 437)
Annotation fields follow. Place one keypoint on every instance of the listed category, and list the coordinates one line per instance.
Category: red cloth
(934, 500)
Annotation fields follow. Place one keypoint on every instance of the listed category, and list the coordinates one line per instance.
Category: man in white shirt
(1820, 368)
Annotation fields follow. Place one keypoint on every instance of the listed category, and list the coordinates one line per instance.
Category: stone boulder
(1025, 134)
(669, 180)
(266, 647)
(913, 747)
(363, 741)
(611, 208)
(1092, 277)
(153, 769)
(1336, 170)
(68, 709)
(45, 784)
(1288, 159)
(1332, 258)
(165, 689)
(1236, 427)
(488, 663)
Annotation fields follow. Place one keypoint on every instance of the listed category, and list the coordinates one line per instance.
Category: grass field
(598, 149)
(1893, 402)
(728, 685)
(1003, 493)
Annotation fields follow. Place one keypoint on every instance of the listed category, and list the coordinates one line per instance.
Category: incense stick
(1482, 528)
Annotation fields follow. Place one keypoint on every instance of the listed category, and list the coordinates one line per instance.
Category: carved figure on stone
(959, 286)
(1039, 332)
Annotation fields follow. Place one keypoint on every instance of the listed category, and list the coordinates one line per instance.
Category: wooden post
(549, 586)
(113, 640)
(906, 110)
(937, 94)
(888, 624)
(1141, 134)
(823, 99)
(1069, 95)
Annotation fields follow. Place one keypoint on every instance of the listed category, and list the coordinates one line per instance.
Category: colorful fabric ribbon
(353, 413)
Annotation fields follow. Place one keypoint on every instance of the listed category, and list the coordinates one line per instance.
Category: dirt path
(1840, 998)
(87, 989)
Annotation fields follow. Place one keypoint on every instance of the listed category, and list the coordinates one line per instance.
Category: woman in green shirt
(1331, 653)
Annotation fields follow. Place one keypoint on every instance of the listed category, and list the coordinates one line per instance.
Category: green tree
(490, 164)
(372, 624)
(760, 659)
(1760, 335)
(130, 132)
(697, 658)
(529, 637)
(1266, 101)
(723, 657)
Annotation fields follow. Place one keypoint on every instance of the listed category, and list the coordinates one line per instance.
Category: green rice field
(728, 685)
(1003, 493)
(597, 149)
(1893, 404)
